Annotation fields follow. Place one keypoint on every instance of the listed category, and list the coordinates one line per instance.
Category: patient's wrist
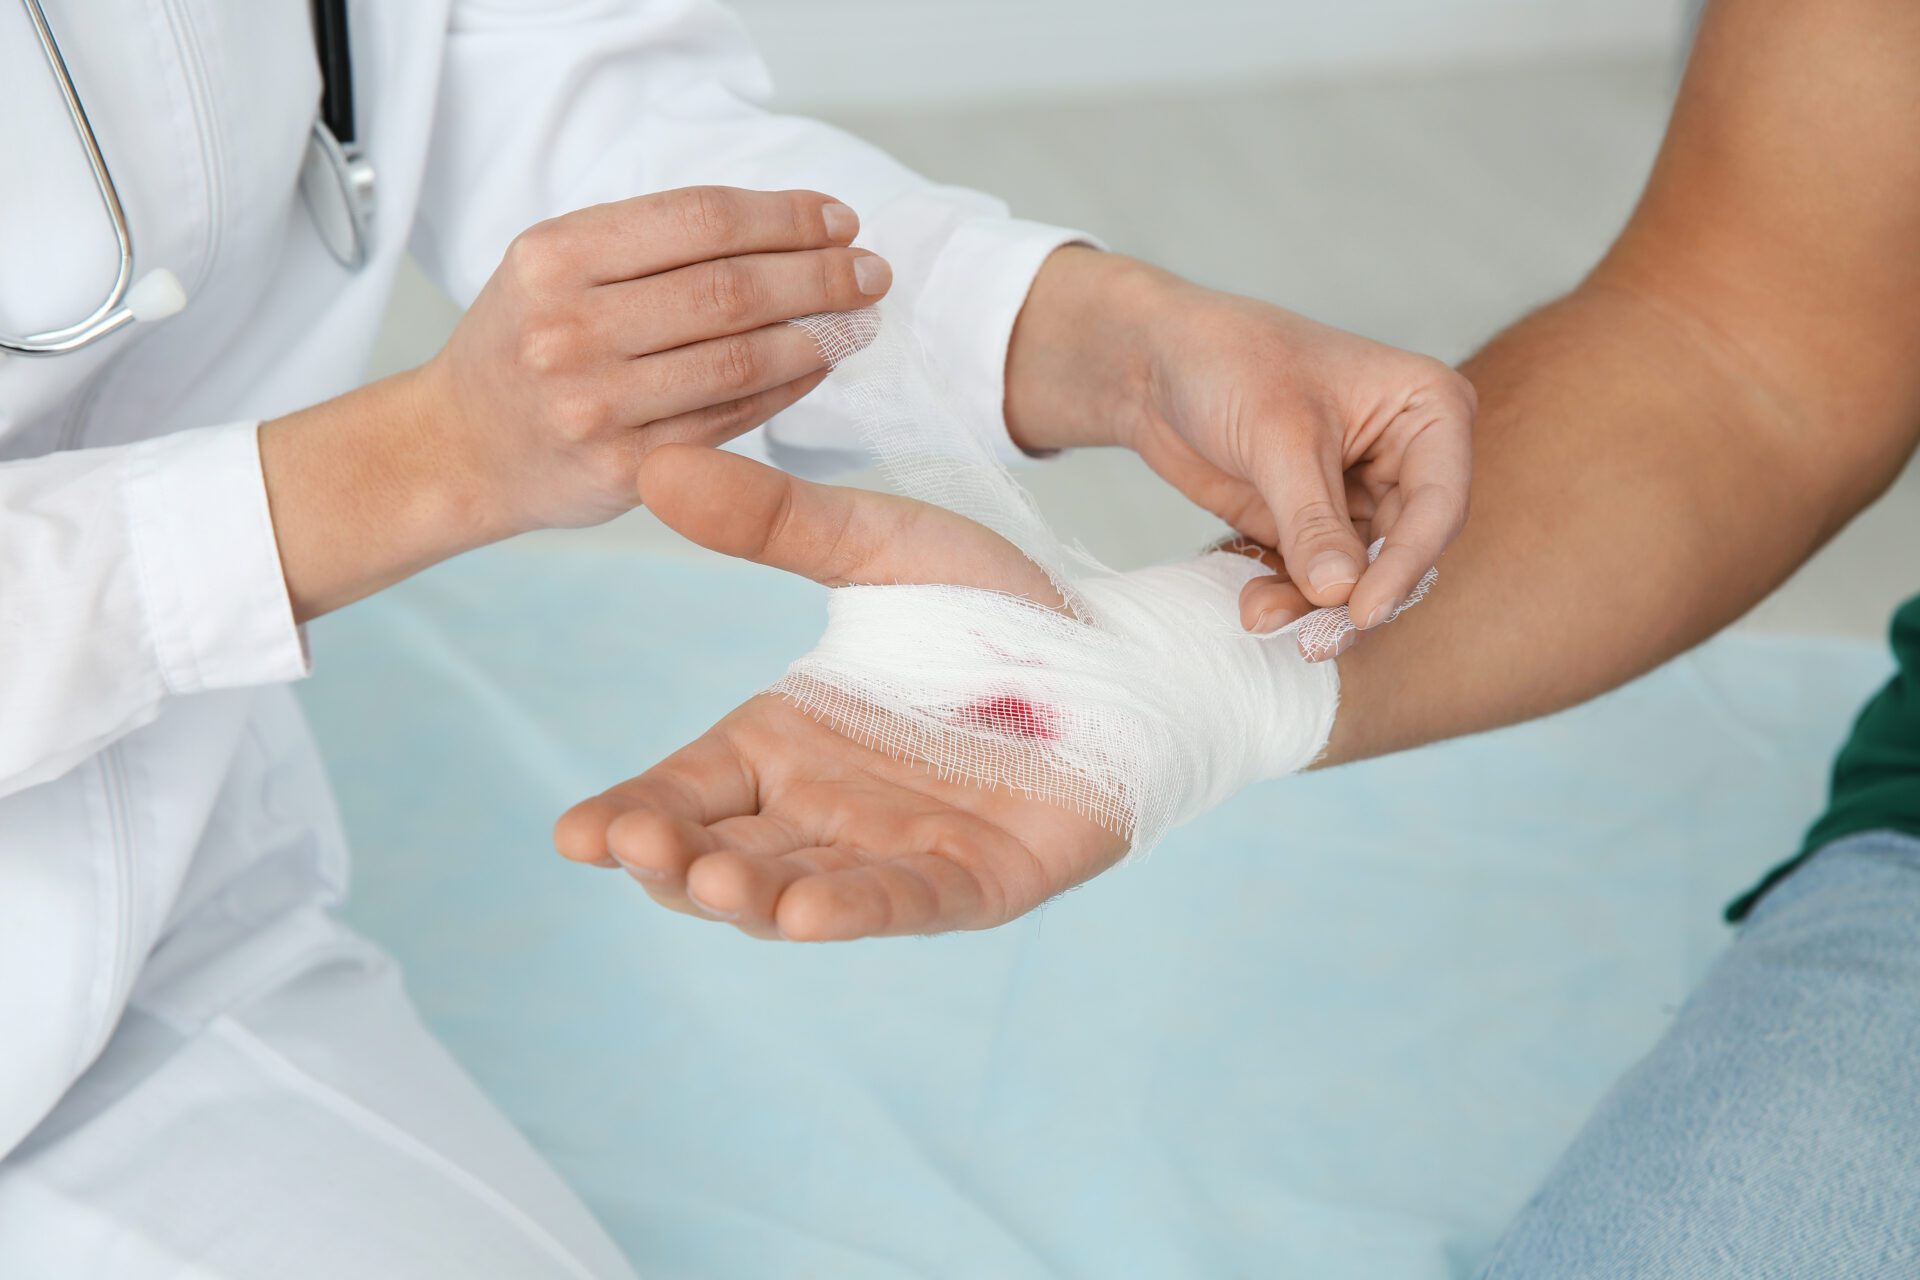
(1078, 363)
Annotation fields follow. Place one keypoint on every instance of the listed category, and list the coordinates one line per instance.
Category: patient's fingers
(913, 893)
(702, 782)
(833, 535)
(656, 845)
(894, 866)
(744, 888)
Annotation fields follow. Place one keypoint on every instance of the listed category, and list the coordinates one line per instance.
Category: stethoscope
(336, 182)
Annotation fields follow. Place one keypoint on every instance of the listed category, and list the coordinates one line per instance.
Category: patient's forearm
(1637, 487)
(1738, 378)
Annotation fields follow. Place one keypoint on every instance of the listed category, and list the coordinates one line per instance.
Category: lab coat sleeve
(544, 109)
(128, 575)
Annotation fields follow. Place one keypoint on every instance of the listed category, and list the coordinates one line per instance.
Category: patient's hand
(776, 823)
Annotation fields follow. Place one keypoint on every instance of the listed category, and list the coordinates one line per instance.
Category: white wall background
(866, 52)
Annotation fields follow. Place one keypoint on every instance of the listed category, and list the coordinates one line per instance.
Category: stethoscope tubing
(111, 314)
(336, 182)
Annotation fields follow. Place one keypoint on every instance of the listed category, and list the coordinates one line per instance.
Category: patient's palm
(778, 823)
(775, 821)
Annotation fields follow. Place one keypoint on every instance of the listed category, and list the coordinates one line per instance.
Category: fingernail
(1326, 652)
(645, 873)
(872, 274)
(1272, 620)
(842, 222)
(1381, 612)
(709, 911)
(1334, 569)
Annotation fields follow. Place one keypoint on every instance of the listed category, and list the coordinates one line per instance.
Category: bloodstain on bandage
(1006, 713)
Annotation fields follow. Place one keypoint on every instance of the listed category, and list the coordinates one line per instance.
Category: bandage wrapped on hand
(1135, 698)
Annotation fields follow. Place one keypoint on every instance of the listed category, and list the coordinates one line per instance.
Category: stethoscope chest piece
(335, 179)
(337, 184)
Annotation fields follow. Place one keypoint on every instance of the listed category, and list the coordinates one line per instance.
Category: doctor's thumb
(1323, 554)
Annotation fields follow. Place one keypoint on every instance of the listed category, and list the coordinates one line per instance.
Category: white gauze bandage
(1141, 704)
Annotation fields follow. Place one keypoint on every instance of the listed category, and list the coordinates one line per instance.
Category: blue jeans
(1774, 1131)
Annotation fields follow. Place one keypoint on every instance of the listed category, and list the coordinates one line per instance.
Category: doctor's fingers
(717, 424)
(1307, 492)
(1421, 516)
(833, 535)
(732, 295)
(651, 389)
(644, 235)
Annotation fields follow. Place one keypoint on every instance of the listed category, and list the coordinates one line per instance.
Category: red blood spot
(1005, 713)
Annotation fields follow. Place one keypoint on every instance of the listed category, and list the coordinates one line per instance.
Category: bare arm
(1736, 379)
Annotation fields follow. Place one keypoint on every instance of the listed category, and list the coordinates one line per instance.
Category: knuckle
(732, 418)
(1452, 508)
(776, 527)
(1467, 394)
(1316, 523)
(580, 415)
(711, 214)
(835, 277)
(1432, 516)
(720, 420)
(834, 540)
(714, 423)
(1445, 390)
(738, 364)
(538, 255)
(1450, 383)
(547, 346)
(732, 292)
(803, 215)
(616, 471)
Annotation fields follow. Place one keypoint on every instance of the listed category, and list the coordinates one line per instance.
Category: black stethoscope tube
(336, 67)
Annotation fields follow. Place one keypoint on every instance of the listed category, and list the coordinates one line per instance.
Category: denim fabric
(1774, 1130)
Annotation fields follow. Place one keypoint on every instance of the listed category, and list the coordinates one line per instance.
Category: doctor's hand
(618, 327)
(1301, 436)
(602, 333)
(777, 824)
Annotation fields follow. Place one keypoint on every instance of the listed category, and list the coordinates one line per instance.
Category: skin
(1302, 437)
(778, 824)
(602, 333)
(1736, 379)
(615, 329)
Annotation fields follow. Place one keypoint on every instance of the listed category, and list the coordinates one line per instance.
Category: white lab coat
(167, 845)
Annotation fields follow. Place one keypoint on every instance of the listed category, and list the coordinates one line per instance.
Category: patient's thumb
(830, 534)
(752, 511)
(720, 500)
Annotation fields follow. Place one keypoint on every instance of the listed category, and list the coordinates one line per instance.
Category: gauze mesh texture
(1140, 702)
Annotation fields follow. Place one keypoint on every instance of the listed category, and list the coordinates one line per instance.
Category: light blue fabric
(1341, 1027)
(1774, 1132)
